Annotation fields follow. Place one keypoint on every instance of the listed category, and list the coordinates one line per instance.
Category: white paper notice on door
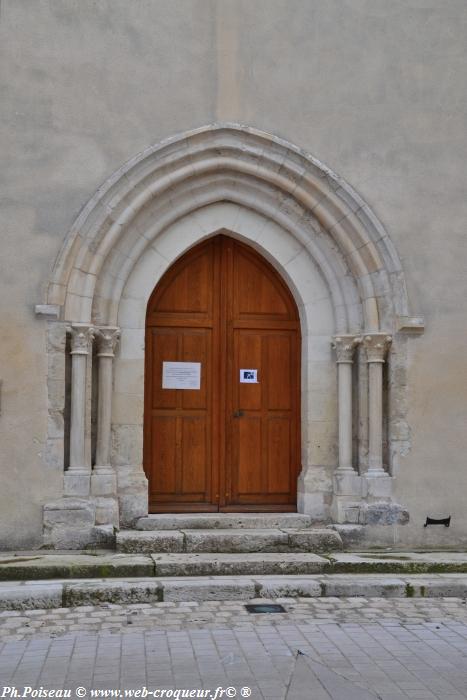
(181, 375)
(248, 376)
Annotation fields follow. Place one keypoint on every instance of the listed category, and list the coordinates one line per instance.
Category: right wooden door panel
(229, 445)
(263, 435)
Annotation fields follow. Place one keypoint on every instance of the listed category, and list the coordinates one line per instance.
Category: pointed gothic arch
(309, 223)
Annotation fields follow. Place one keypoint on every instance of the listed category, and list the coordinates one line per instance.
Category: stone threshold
(28, 595)
(229, 540)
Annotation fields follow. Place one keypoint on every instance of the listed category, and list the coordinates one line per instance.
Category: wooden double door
(234, 442)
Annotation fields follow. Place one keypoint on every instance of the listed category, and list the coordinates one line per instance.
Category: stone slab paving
(320, 648)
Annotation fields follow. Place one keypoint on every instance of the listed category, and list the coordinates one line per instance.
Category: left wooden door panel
(180, 421)
(179, 439)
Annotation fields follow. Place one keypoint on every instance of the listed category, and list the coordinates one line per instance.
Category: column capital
(344, 345)
(82, 336)
(376, 346)
(107, 338)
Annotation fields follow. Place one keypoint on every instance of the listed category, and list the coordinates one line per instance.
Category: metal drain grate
(265, 608)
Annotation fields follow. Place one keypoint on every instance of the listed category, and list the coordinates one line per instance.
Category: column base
(76, 483)
(348, 483)
(104, 496)
(102, 470)
(345, 509)
(70, 523)
(103, 483)
(376, 472)
(349, 489)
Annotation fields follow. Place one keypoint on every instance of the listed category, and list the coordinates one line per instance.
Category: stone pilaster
(104, 479)
(347, 484)
(77, 477)
(107, 339)
(344, 346)
(376, 346)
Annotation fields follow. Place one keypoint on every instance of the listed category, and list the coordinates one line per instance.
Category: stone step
(40, 565)
(205, 521)
(229, 540)
(28, 595)
(245, 563)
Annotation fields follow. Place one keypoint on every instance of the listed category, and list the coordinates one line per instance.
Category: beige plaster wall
(374, 89)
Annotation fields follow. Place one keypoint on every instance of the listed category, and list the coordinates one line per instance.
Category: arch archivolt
(319, 234)
(240, 165)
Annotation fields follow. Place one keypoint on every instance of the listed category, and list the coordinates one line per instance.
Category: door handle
(238, 414)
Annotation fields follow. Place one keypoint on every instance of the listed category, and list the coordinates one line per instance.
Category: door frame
(224, 326)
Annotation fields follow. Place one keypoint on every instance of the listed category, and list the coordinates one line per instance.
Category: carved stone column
(77, 478)
(344, 346)
(107, 339)
(104, 480)
(347, 483)
(376, 346)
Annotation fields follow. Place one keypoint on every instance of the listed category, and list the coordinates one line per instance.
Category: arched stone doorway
(222, 325)
(328, 246)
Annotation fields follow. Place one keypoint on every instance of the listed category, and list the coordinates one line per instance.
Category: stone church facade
(320, 145)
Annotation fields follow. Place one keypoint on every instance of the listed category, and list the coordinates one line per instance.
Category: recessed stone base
(348, 491)
(132, 494)
(364, 499)
(378, 487)
(68, 523)
(383, 513)
(106, 510)
(314, 492)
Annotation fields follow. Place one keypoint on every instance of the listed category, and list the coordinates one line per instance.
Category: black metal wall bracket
(438, 521)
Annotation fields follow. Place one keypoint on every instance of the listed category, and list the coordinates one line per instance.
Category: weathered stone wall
(373, 89)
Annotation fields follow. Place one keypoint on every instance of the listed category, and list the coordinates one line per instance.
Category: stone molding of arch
(236, 163)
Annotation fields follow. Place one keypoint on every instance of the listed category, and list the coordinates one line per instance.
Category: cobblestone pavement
(321, 648)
